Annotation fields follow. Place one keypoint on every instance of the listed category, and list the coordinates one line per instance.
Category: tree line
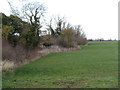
(17, 31)
(24, 27)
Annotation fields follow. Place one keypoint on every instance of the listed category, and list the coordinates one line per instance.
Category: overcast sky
(98, 18)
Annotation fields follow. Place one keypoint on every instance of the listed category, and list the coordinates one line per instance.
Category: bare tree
(50, 28)
(60, 24)
(29, 11)
(33, 12)
(56, 25)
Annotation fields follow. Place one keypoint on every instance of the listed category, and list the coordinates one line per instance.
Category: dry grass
(16, 56)
(7, 64)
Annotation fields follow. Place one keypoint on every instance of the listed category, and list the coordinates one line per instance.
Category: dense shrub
(6, 31)
(46, 40)
(67, 38)
(81, 40)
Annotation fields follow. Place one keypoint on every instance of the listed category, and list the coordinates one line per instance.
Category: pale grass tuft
(7, 64)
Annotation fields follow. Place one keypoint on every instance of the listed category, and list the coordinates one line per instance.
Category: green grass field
(94, 66)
